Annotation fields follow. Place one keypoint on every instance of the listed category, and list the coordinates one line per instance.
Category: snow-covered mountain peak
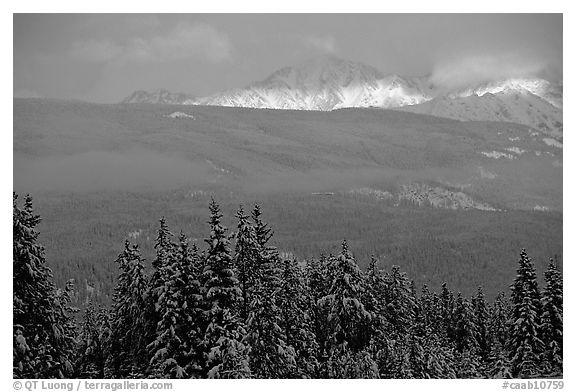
(321, 72)
(324, 83)
(329, 82)
(548, 91)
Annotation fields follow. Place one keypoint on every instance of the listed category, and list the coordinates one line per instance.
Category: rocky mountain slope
(518, 107)
(329, 83)
(325, 83)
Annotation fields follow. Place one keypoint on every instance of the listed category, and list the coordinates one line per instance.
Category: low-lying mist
(131, 170)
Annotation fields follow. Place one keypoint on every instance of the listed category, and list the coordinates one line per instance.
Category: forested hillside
(234, 308)
(449, 201)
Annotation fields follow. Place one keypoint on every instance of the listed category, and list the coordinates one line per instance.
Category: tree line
(236, 309)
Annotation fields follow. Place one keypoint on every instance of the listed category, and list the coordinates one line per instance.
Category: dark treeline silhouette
(236, 309)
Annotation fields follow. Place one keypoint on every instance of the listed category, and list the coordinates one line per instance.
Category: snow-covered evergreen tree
(127, 353)
(468, 361)
(399, 302)
(173, 352)
(430, 353)
(261, 229)
(92, 343)
(347, 321)
(374, 296)
(43, 339)
(500, 314)
(246, 260)
(164, 247)
(348, 364)
(467, 364)
(431, 308)
(525, 343)
(464, 327)
(447, 311)
(439, 354)
(270, 355)
(552, 319)
(499, 365)
(226, 354)
(296, 305)
(481, 325)
(66, 320)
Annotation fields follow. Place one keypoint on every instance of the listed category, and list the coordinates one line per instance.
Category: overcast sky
(103, 58)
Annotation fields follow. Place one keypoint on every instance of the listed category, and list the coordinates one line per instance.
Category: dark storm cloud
(105, 57)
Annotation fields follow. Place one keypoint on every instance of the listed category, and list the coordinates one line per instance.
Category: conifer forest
(233, 307)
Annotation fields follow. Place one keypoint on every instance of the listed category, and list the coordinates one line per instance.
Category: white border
(260, 6)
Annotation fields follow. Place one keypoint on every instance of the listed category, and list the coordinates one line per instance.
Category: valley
(446, 200)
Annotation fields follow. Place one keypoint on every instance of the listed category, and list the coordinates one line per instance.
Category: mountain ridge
(158, 96)
(330, 83)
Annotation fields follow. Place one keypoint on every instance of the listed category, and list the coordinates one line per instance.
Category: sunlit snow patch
(375, 193)
(552, 142)
(541, 208)
(422, 194)
(516, 150)
(180, 115)
(497, 155)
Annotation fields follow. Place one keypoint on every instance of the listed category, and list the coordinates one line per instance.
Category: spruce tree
(525, 343)
(468, 363)
(374, 296)
(347, 364)
(500, 314)
(481, 320)
(318, 285)
(430, 353)
(552, 319)
(261, 229)
(43, 339)
(270, 355)
(431, 309)
(447, 310)
(226, 354)
(417, 357)
(399, 302)
(499, 365)
(65, 318)
(295, 305)
(246, 260)
(348, 321)
(439, 354)
(127, 353)
(464, 327)
(165, 248)
(192, 267)
(92, 341)
(173, 351)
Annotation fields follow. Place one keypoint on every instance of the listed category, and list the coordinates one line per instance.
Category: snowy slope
(549, 92)
(324, 83)
(519, 107)
(328, 83)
